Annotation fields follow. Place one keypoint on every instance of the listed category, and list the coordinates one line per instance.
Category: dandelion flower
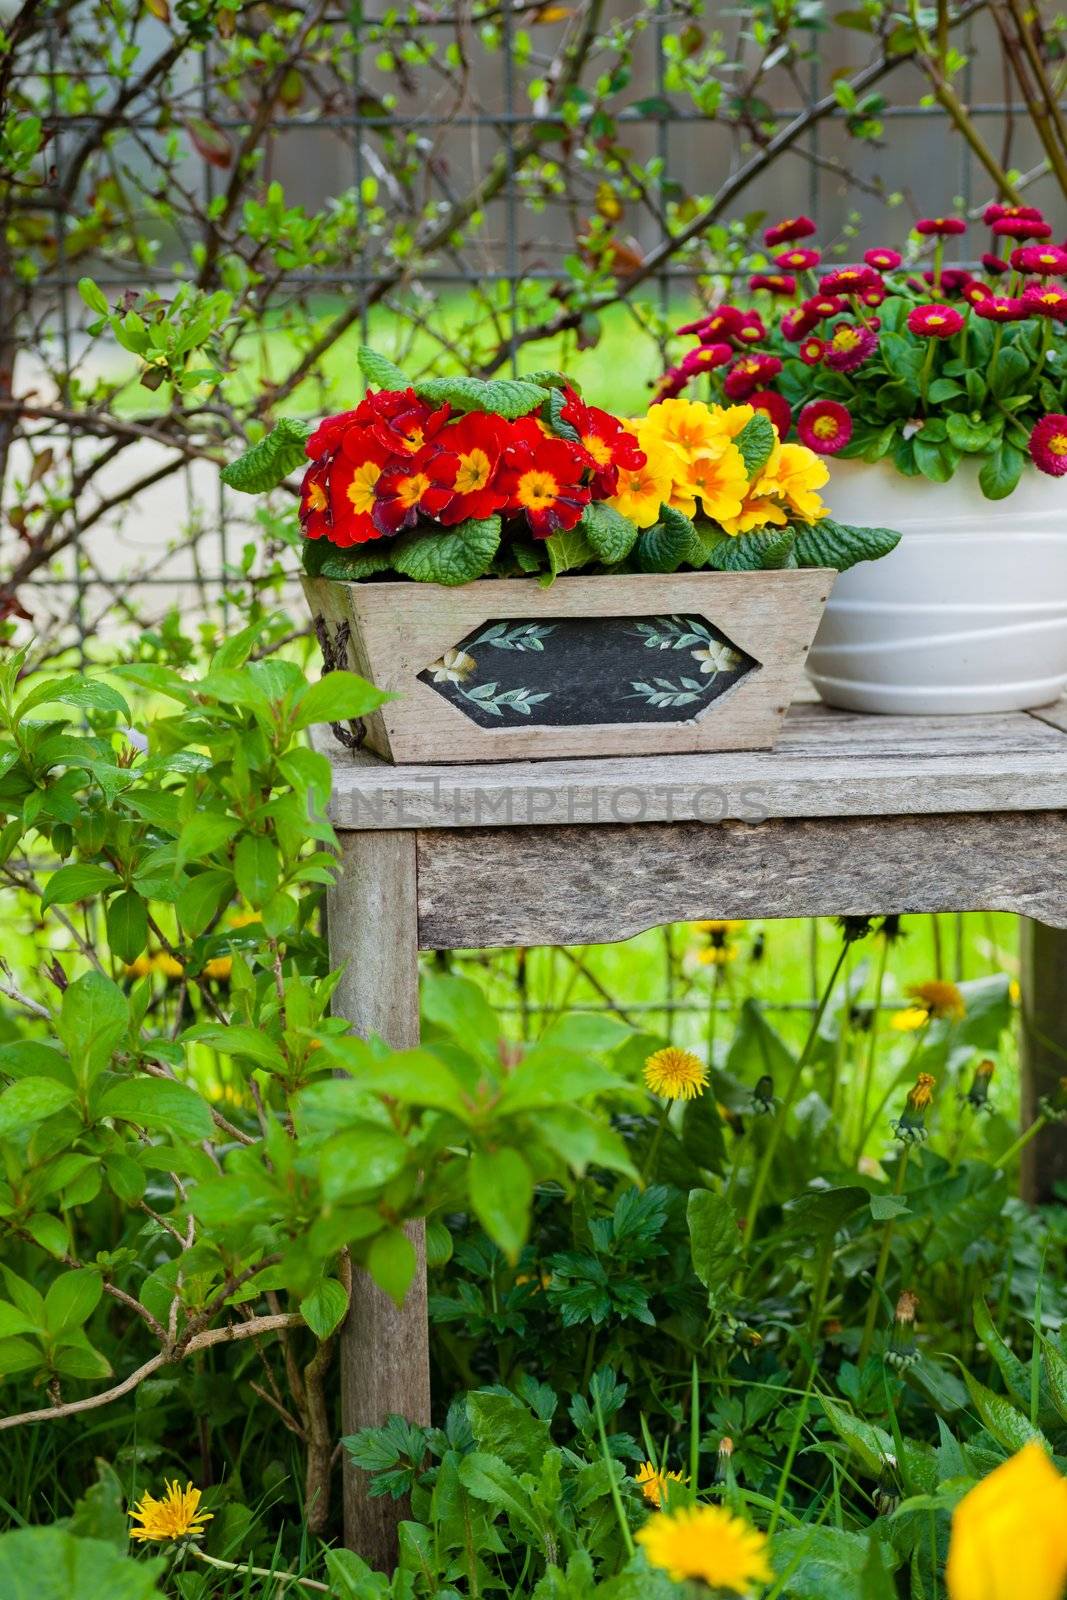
(1009, 1534)
(909, 1020)
(655, 1483)
(176, 1516)
(676, 1074)
(939, 999)
(708, 1543)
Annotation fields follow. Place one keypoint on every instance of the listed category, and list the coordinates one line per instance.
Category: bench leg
(372, 920)
(1043, 1053)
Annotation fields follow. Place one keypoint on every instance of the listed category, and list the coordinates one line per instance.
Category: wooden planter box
(645, 664)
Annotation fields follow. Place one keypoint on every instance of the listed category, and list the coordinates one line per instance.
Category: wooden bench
(848, 815)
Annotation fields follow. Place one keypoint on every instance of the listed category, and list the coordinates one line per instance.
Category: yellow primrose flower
(1009, 1534)
(757, 512)
(793, 474)
(655, 1483)
(720, 479)
(686, 425)
(642, 490)
(728, 421)
(707, 1543)
(176, 1516)
(676, 1074)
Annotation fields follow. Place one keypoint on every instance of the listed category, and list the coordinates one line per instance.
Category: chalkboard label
(574, 671)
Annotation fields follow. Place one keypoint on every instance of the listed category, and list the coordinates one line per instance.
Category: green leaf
(391, 1262)
(501, 1191)
(13, 1321)
(450, 556)
(93, 1018)
(491, 1479)
(270, 461)
(126, 919)
(336, 697)
(93, 296)
(201, 899)
(669, 543)
(1056, 1376)
(31, 1100)
(504, 1426)
(506, 397)
(80, 881)
(756, 443)
(71, 1300)
(766, 550)
(610, 535)
(839, 545)
(833, 1564)
(551, 1076)
(966, 435)
(872, 1446)
(324, 1308)
(160, 1104)
(569, 550)
(359, 1159)
(17, 1355)
(1000, 474)
(350, 564)
(713, 1239)
(1016, 1374)
(1008, 372)
(88, 694)
(819, 1213)
(1007, 1425)
(50, 1564)
(379, 371)
(75, 1357)
(256, 867)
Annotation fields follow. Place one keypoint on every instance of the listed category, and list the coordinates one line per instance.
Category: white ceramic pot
(967, 614)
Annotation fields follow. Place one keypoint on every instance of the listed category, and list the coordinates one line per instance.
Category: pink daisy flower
(940, 227)
(849, 280)
(750, 329)
(935, 321)
(750, 373)
(1021, 228)
(825, 426)
(883, 260)
(788, 229)
(953, 279)
(994, 265)
(821, 306)
(848, 347)
(798, 260)
(1048, 444)
(1045, 300)
(705, 358)
(1000, 308)
(1047, 260)
(811, 351)
(995, 212)
(774, 406)
(796, 324)
(777, 282)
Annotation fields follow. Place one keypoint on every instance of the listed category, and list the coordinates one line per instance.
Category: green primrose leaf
(379, 371)
(451, 556)
(505, 397)
(270, 461)
(838, 545)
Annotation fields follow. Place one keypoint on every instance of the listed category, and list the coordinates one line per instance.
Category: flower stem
(653, 1149)
(872, 1047)
(883, 1263)
(258, 1572)
(1020, 1144)
(771, 1147)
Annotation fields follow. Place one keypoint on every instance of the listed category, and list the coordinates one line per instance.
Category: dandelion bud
(763, 1095)
(722, 1463)
(891, 930)
(910, 1126)
(977, 1096)
(853, 928)
(903, 1350)
(886, 1495)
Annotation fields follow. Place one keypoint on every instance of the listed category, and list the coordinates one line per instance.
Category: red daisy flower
(670, 386)
(940, 227)
(995, 212)
(796, 324)
(354, 476)
(722, 323)
(994, 265)
(934, 321)
(1048, 444)
(603, 436)
(316, 521)
(850, 280)
(477, 443)
(1045, 300)
(811, 351)
(1000, 308)
(1022, 228)
(874, 296)
(400, 421)
(821, 306)
(750, 373)
(976, 291)
(953, 279)
(328, 435)
(703, 359)
(422, 485)
(798, 260)
(848, 347)
(825, 426)
(782, 283)
(544, 478)
(788, 229)
(1047, 260)
(883, 260)
(750, 329)
(776, 407)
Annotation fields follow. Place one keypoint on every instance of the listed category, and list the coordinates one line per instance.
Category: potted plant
(693, 552)
(941, 393)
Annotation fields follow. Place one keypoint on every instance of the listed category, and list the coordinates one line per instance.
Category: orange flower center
(409, 491)
(825, 427)
(598, 448)
(475, 470)
(537, 490)
(413, 441)
(1058, 444)
(361, 489)
(316, 497)
(846, 339)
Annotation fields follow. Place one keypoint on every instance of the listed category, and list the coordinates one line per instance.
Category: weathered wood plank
(1043, 1054)
(384, 1352)
(826, 763)
(581, 885)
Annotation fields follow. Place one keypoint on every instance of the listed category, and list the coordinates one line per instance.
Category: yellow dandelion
(724, 925)
(708, 1543)
(909, 1020)
(1015, 992)
(676, 1074)
(717, 955)
(655, 1483)
(176, 1516)
(1009, 1534)
(938, 999)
